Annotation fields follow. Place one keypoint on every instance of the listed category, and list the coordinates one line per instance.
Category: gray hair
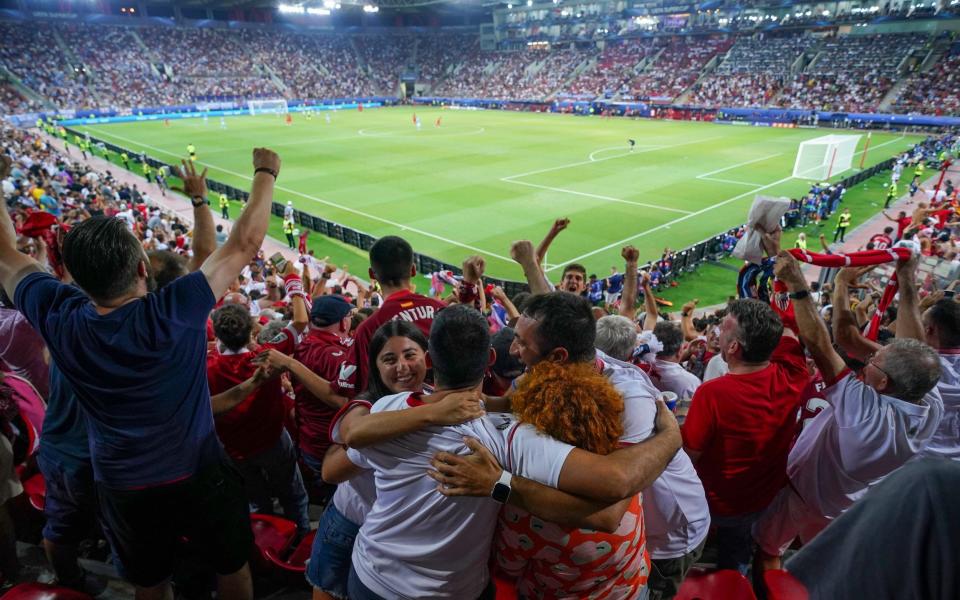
(271, 330)
(913, 368)
(616, 337)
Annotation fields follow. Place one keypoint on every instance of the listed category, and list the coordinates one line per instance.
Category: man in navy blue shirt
(136, 361)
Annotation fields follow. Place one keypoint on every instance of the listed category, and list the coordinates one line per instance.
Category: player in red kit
(391, 265)
(437, 124)
(289, 119)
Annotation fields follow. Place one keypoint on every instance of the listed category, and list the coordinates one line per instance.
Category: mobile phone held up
(279, 262)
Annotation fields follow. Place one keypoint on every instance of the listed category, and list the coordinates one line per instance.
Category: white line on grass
(674, 222)
(750, 183)
(599, 197)
(742, 164)
(697, 213)
(596, 152)
(587, 162)
(319, 200)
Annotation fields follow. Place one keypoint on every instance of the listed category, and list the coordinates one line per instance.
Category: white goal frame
(823, 157)
(273, 106)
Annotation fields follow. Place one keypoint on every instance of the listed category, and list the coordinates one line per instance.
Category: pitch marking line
(697, 213)
(318, 200)
(591, 160)
(593, 154)
(741, 164)
(717, 179)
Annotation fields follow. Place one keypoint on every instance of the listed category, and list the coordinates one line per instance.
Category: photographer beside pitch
(136, 361)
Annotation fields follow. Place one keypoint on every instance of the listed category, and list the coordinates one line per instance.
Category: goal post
(823, 157)
(276, 106)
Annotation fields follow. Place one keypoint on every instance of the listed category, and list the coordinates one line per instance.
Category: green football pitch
(483, 179)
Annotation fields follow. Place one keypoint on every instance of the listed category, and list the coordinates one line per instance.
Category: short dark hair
(575, 267)
(102, 255)
(758, 328)
(520, 300)
(506, 365)
(670, 336)
(945, 313)
(459, 347)
(391, 258)
(564, 321)
(232, 325)
(167, 266)
(376, 388)
(888, 230)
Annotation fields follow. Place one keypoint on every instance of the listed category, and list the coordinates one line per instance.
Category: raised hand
(265, 158)
(522, 251)
(559, 225)
(473, 269)
(630, 254)
(787, 270)
(194, 186)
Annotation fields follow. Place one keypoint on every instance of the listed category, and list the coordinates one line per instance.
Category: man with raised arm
(136, 362)
(872, 425)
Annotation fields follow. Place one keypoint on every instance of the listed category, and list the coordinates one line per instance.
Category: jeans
(274, 474)
(329, 567)
(667, 574)
(735, 541)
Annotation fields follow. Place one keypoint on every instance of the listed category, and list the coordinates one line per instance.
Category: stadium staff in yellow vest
(147, 171)
(891, 194)
(224, 206)
(192, 151)
(288, 231)
(842, 223)
(125, 159)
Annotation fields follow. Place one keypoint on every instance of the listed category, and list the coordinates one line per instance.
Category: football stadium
(478, 299)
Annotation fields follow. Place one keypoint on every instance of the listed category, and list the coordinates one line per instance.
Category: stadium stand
(676, 68)
(936, 91)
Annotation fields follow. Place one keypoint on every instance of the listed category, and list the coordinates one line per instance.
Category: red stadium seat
(42, 591)
(718, 585)
(781, 585)
(296, 561)
(272, 535)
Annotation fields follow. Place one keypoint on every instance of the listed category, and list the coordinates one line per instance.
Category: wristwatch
(501, 489)
(799, 295)
(198, 201)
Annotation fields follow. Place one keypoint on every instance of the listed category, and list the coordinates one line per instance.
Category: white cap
(289, 202)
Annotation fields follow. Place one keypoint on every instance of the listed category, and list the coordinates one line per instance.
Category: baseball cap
(328, 310)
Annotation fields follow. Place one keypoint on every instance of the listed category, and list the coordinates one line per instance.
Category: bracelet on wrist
(266, 170)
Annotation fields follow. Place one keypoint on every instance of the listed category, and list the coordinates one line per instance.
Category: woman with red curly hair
(576, 404)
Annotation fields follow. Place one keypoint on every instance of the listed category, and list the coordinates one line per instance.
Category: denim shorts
(329, 565)
(70, 504)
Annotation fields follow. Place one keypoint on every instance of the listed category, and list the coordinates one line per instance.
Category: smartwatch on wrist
(501, 489)
(198, 201)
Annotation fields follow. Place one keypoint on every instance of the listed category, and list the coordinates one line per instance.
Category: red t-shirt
(881, 241)
(254, 425)
(404, 305)
(902, 224)
(744, 426)
(330, 357)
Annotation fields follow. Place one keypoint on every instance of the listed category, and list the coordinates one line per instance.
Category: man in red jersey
(325, 350)
(250, 425)
(882, 241)
(391, 264)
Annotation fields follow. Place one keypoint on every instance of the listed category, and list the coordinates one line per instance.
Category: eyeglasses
(871, 363)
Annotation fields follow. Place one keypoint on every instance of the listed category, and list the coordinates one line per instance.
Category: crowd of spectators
(934, 92)
(261, 381)
(677, 68)
(87, 66)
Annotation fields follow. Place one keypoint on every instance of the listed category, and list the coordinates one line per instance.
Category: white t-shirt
(675, 505)
(415, 542)
(946, 440)
(861, 437)
(717, 367)
(671, 377)
(355, 497)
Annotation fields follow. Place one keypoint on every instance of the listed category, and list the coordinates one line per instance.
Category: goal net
(273, 107)
(824, 157)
